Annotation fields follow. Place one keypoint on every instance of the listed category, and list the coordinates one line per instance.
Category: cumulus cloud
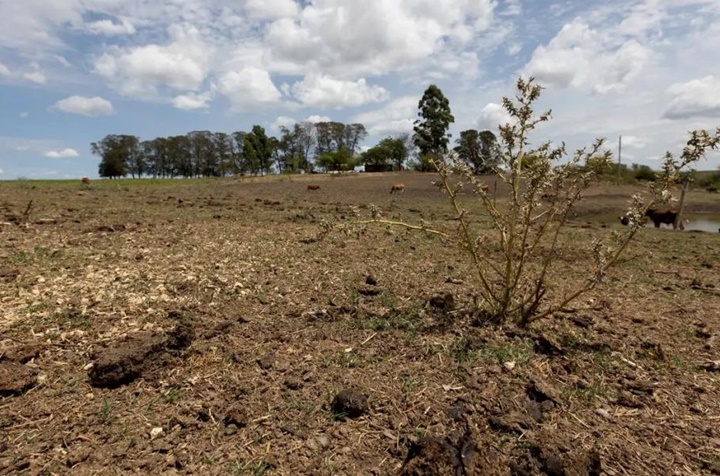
(397, 116)
(24, 115)
(2, 171)
(314, 118)
(85, 106)
(109, 28)
(4, 70)
(182, 64)
(584, 58)
(493, 115)
(62, 154)
(356, 37)
(249, 87)
(192, 101)
(696, 98)
(326, 92)
(271, 9)
(633, 142)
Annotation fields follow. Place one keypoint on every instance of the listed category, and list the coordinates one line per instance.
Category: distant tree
(340, 160)
(155, 153)
(240, 163)
(202, 149)
(479, 150)
(431, 133)
(120, 155)
(388, 151)
(223, 145)
(354, 134)
(258, 150)
(333, 137)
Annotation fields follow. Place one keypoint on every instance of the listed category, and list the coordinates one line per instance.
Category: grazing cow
(313, 187)
(86, 181)
(662, 216)
(398, 187)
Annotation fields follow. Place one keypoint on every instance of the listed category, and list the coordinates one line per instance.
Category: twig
(368, 339)
(403, 224)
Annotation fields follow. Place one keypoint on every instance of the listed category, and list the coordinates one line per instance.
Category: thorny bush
(514, 285)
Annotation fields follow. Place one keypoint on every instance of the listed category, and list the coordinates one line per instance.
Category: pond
(709, 223)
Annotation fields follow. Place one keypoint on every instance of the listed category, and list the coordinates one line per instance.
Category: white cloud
(249, 87)
(282, 121)
(86, 106)
(356, 37)
(182, 64)
(192, 101)
(4, 71)
(633, 142)
(397, 116)
(323, 91)
(62, 154)
(492, 116)
(109, 28)
(585, 58)
(287, 121)
(314, 118)
(696, 98)
(271, 9)
(1, 171)
(24, 115)
(36, 77)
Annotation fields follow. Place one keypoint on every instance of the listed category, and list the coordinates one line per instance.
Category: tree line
(304, 146)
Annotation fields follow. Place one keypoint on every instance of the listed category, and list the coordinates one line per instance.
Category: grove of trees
(304, 146)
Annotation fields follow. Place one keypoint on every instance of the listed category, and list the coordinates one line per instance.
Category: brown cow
(85, 181)
(398, 187)
(313, 187)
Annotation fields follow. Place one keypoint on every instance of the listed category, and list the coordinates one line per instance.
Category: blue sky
(72, 71)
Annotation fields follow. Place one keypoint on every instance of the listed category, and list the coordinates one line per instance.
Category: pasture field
(201, 327)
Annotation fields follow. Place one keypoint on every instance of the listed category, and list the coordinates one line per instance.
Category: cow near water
(658, 217)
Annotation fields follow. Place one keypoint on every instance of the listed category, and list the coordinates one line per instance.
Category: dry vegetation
(201, 328)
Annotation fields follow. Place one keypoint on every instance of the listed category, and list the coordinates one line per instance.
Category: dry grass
(282, 323)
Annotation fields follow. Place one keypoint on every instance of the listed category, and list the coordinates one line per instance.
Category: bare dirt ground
(202, 329)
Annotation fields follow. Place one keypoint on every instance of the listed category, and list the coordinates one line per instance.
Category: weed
(462, 351)
(513, 285)
(519, 351)
(173, 395)
(106, 412)
(238, 468)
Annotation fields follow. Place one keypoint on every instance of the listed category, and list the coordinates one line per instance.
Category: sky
(73, 71)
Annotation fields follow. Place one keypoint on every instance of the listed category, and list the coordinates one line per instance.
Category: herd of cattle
(658, 217)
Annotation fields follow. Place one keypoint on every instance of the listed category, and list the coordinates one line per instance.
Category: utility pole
(619, 158)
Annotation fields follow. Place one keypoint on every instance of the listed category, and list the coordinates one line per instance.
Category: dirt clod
(8, 274)
(351, 403)
(134, 356)
(443, 302)
(15, 378)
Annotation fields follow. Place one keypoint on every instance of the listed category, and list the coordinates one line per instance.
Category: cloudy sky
(72, 71)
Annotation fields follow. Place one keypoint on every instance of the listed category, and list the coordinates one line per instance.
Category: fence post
(681, 207)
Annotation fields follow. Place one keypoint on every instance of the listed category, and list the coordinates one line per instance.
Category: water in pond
(697, 223)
